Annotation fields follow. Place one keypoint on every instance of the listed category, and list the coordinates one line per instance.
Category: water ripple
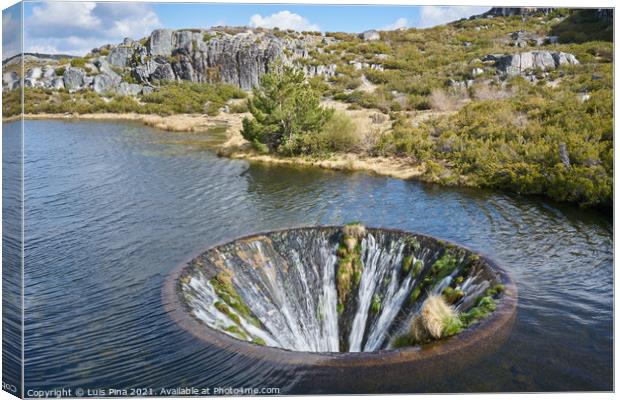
(111, 210)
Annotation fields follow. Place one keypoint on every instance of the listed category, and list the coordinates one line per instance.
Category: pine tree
(285, 108)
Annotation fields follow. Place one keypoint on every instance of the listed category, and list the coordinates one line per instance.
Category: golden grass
(434, 314)
(432, 321)
(237, 147)
(354, 231)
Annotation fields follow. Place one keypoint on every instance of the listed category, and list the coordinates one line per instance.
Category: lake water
(111, 208)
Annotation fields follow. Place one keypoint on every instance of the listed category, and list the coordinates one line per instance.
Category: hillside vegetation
(450, 107)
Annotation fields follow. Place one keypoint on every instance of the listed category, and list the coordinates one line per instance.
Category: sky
(77, 27)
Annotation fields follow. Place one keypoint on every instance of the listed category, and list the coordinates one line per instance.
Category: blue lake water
(111, 208)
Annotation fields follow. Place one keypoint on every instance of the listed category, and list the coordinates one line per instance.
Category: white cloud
(77, 27)
(437, 15)
(398, 24)
(11, 33)
(283, 20)
(68, 16)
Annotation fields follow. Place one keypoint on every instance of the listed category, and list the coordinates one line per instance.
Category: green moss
(357, 276)
(222, 284)
(375, 305)
(224, 309)
(350, 267)
(236, 331)
(452, 295)
(402, 341)
(259, 341)
(415, 293)
(444, 266)
(473, 258)
(484, 306)
(451, 326)
(407, 264)
(495, 290)
(417, 268)
(487, 303)
(342, 250)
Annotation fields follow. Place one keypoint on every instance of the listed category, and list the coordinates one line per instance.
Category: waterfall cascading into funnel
(284, 289)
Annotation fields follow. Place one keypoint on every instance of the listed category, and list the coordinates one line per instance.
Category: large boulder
(88, 80)
(163, 72)
(157, 69)
(104, 83)
(128, 89)
(10, 80)
(103, 65)
(561, 58)
(120, 56)
(236, 59)
(183, 40)
(160, 42)
(525, 39)
(57, 83)
(512, 11)
(34, 73)
(49, 72)
(74, 78)
(320, 70)
(370, 35)
(521, 63)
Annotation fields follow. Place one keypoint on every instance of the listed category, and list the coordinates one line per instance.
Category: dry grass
(354, 231)
(433, 322)
(434, 314)
(484, 91)
(442, 100)
(173, 123)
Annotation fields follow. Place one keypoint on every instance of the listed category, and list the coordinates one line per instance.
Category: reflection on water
(112, 208)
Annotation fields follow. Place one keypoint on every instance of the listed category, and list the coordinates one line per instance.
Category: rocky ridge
(236, 56)
(134, 67)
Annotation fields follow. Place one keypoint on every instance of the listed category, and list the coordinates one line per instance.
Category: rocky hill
(229, 55)
(239, 56)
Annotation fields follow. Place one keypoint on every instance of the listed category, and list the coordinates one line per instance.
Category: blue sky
(327, 18)
(11, 32)
(77, 27)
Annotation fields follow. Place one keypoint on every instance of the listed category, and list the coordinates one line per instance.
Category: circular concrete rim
(490, 331)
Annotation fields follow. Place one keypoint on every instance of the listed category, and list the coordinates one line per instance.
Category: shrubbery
(171, 98)
(286, 112)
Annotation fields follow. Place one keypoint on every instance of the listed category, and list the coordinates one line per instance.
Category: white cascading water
(288, 282)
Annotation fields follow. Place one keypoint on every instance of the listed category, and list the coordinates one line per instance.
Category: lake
(111, 208)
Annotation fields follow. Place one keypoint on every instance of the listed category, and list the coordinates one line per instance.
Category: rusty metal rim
(494, 327)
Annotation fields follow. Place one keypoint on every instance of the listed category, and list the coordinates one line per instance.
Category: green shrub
(286, 112)
(339, 134)
(78, 62)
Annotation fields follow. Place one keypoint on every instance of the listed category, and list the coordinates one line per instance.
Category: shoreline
(173, 123)
(235, 147)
